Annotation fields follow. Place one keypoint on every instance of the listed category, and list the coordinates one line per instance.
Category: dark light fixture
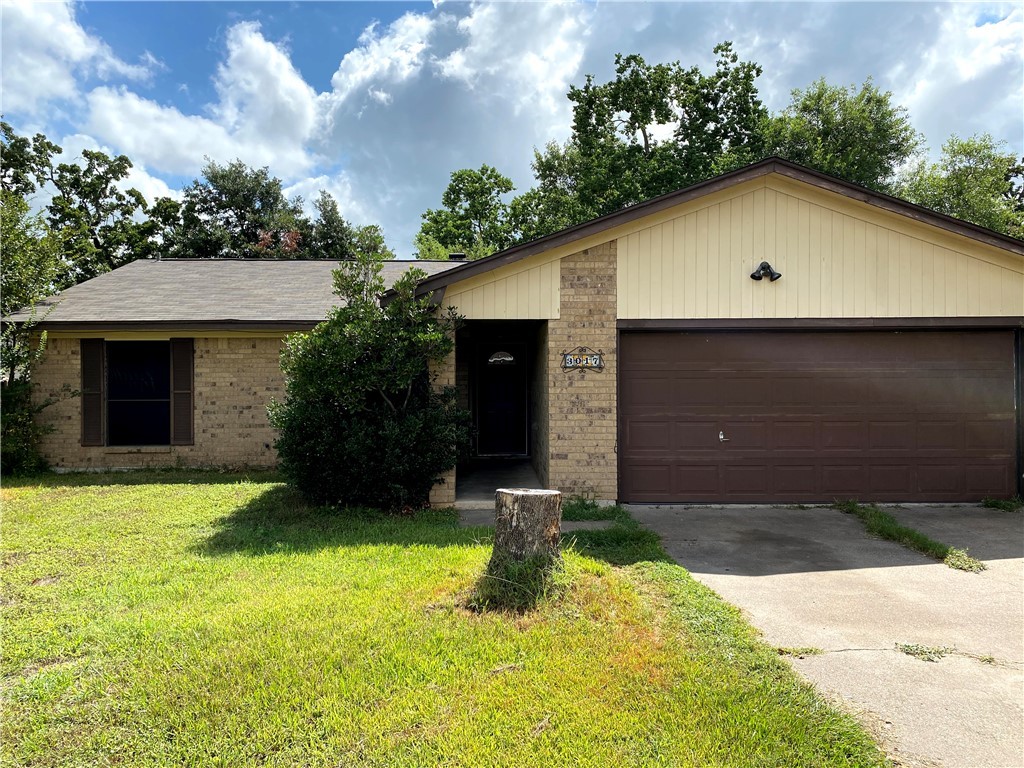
(764, 269)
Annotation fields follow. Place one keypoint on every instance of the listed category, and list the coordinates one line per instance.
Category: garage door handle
(722, 438)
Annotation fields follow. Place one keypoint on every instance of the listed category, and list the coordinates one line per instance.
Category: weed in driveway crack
(885, 526)
(924, 652)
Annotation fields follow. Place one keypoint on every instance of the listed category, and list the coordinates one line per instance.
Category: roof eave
(748, 173)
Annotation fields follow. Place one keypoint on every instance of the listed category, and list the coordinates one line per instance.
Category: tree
(31, 268)
(975, 180)
(361, 424)
(619, 160)
(103, 226)
(474, 218)
(859, 136)
(428, 249)
(332, 236)
(24, 163)
(238, 212)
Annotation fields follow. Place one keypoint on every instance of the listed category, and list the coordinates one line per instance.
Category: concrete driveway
(814, 578)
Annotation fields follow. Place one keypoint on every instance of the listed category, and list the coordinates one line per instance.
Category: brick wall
(582, 404)
(443, 493)
(540, 418)
(235, 379)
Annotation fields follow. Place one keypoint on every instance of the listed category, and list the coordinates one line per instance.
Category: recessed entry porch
(501, 375)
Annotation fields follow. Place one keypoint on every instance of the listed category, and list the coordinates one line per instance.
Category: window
(136, 392)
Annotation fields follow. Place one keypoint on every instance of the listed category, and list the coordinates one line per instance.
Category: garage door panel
(940, 478)
(795, 480)
(744, 435)
(649, 435)
(814, 416)
(893, 479)
(794, 435)
(695, 435)
(842, 435)
(891, 435)
(698, 478)
(942, 435)
(995, 435)
(980, 478)
(843, 480)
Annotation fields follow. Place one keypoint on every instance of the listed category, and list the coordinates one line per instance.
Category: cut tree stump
(527, 526)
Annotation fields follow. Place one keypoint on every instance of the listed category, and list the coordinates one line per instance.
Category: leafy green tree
(859, 136)
(976, 180)
(31, 269)
(24, 163)
(428, 249)
(474, 217)
(361, 424)
(103, 226)
(332, 236)
(615, 155)
(238, 212)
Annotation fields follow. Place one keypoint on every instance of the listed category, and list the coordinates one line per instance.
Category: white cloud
(458, 85)
(971, 79)
(523, 58)
(265, 115)
(263, 98)
(46, 53)
(392, 57)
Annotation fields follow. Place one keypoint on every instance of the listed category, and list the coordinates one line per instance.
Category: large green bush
(361, 423)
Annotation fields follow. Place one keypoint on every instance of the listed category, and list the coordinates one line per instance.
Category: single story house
(770, 335)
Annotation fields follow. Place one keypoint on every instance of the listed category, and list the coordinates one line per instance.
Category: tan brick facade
(443, 493)
(235, 379)
(582, 408)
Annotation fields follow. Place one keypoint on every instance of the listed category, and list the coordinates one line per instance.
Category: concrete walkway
(814, 578)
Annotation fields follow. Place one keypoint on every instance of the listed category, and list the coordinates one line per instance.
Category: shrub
(20, 431)
(361, 422)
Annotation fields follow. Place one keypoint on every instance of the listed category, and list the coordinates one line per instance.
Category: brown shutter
(93, 379)
(181, 392)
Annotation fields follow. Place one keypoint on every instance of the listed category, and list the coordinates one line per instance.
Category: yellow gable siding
(524, 290)
(838, 257)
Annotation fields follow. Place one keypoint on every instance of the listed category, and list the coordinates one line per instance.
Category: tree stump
(527, 526)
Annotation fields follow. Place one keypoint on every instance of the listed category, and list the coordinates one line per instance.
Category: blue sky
(379, 102)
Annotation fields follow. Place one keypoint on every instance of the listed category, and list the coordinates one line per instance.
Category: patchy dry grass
(190, 619)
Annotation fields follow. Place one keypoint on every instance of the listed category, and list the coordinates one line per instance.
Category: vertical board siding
(835, 263)
(522, 291)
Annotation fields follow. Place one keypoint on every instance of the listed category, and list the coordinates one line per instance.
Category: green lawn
(203, 619)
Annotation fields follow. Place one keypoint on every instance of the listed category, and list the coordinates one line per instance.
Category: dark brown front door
(501, 397)
(817, 416)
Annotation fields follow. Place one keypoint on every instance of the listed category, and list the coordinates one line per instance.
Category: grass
(1015, 504)
(880, 523)
(189, 619)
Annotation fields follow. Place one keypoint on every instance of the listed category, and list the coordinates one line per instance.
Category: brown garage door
(816, 416)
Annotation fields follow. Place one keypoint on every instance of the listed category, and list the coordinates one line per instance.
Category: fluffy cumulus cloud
(46, 53)
(458, 85)
(265, 115)
(970, 78)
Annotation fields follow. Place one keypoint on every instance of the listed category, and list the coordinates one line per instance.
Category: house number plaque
(583, 358)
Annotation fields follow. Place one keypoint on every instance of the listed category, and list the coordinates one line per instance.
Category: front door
(501, 396)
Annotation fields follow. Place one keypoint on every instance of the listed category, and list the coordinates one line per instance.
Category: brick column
(443, 493)
(582, 404)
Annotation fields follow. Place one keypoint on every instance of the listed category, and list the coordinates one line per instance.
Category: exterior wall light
(764, 269)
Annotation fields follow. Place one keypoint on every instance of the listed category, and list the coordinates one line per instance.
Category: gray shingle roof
(213, 292)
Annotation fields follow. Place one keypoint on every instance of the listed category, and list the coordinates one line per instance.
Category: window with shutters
(137, 392)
